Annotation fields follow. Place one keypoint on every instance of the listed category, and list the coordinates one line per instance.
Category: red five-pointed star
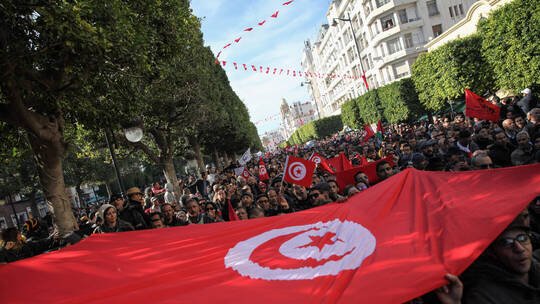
(321, 241)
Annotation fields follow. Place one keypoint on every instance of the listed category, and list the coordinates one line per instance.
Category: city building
(295, 116)
(272, 139)
(388, 34)
(468, 25)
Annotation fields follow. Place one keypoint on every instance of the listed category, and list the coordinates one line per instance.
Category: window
(461, 9)
(433, 10)
(408, 40)
(403, 16)
(380, 3)
(387, 22)
(394, 45)
(437, 30)
(401, 69)
(451, 12)
(3, 223)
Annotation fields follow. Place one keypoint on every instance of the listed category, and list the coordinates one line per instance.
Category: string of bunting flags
(252, 28)
(288, 72)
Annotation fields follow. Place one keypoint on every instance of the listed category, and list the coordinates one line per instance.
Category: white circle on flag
(335, 246)
(316, 159)
(297, 171)
(262, 171)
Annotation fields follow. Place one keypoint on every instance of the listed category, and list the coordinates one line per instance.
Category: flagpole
(284, 172)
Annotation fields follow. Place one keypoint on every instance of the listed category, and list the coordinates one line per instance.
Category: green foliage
(399, 101)
(350, 114)
(367, 107)
(511, 43)
(444, 73)
(317, 129)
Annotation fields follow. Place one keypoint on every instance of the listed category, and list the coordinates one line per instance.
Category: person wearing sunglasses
(507, 272)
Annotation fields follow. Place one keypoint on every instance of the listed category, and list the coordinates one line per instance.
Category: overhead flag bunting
(250, 29)
(264, 69)
(389, 244)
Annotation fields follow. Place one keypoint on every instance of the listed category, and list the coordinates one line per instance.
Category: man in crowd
(134, 212)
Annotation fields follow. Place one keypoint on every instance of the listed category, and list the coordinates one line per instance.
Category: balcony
(396, 29)
(375, 13)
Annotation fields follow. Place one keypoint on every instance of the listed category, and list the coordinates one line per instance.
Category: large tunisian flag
(389, 244)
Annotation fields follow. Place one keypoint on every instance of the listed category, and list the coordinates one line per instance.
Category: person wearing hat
(134, 212)
(110, 221)
(506, 272)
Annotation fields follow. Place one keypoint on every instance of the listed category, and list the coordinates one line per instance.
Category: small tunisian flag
(478, 107)
(369, 132)
(319, 160)
(386, 245)
(298, 171)
(263, 174)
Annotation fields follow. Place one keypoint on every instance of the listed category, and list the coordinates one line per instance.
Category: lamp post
(133, 133)
(348, 19)
(316, 105)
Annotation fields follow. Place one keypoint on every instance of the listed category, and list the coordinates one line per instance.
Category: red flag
(288, 2)
(226, 46)
(262, 22)
(218, 54)
(249, 29)
(346, 177)
(319, 160)
(274, 15)
(245, 66)
(480, 108)
(365, 81)
(340, 163)
(263, 174)
(380, 127)
(298, 171)
(237, 39)
(245, 173)
(232, 214)
(235, 65)
(389, 244)
(369, 132)
(224, 63)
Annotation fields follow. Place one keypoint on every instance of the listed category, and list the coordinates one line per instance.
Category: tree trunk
(170, 175)
(48, 155)
(80, 194)
(215, 157)
(198, 155)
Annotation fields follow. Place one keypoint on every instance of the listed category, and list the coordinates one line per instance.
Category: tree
(367, 107)
(399, 101)
(445, 73)
(57, 62)
(350, 114)
(510, 44)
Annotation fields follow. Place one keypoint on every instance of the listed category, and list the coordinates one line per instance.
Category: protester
(110, 221)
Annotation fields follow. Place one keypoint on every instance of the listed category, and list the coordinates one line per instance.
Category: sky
(278, 43)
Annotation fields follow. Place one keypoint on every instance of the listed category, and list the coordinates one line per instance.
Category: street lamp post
(348, 19)
(316, 105)
(114, 161)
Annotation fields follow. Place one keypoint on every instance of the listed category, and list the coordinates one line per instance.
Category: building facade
(468, 25)
(272, 139)
(296, 115)
(390, 35)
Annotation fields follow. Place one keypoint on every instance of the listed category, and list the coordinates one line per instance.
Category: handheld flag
(298, 171)
(263, 174)
(246, 157)
(478, 107)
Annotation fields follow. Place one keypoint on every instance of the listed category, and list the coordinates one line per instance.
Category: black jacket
(486, 282)
(121, 226)
(134, 214)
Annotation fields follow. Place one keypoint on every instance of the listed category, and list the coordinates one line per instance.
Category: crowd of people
(506, 273)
